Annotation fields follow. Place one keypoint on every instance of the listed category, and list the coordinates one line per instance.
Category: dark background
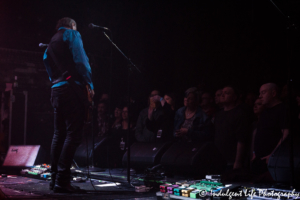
(177, 44)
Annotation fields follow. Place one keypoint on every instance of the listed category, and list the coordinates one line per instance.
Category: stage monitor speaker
(24, 156)
(107, 153)
(143, 155)
(279, 162)
(194, 159)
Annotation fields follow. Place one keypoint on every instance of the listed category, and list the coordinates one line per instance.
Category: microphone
(91, 26)
(42, 45)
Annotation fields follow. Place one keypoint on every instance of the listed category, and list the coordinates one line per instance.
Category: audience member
(184, 101)
(170, 99)
(284, 97)
(134, 105)
(191, 123)
(159, 122)
(102, 119)
(125, 119)
(232, 129)
(118, 142)
(160, 118)
(258, 107)
(246, 104)
(207, 104)
(155, 122)
(250, 99)
(117, 117)
(257, 110)
(104, 97)
(122, 133)
(217, 98)
(272, 127)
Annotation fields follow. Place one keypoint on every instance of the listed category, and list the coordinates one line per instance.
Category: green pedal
(211, 183)
(195, 194)
(32, 173)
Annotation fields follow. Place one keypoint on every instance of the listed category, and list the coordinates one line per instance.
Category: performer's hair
(65, 22)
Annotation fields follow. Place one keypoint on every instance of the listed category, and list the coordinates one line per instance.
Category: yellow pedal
(186, 192)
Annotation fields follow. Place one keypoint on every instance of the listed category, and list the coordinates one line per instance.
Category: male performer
(66, 53)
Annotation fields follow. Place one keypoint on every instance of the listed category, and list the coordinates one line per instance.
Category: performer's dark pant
(68, 126)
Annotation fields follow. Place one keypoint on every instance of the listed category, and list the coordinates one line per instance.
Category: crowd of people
(245, 128)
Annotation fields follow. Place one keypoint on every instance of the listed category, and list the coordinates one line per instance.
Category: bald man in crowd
(272, 127)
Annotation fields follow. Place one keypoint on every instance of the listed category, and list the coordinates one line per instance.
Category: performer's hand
(266, 158)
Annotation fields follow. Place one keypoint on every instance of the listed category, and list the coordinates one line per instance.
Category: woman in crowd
(184, 101)
(257, 110)
(119, 137)
(207, 105)
(191, 123)
(170, 99)
(125, 119)
(102, 119)
(121, 133)
(117, 118)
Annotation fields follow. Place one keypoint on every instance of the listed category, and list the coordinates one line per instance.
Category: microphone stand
(131, 66)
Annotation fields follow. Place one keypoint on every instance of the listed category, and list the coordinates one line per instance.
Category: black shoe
(67, 189)
(52, 184)
(52, 181)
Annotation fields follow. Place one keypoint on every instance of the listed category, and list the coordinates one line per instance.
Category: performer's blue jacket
(67, 48)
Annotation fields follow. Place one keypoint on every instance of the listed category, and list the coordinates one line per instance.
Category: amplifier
(193, 159)
(143, 155)
(24, 156)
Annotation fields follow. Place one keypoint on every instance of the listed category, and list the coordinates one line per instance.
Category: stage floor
(18, 187)
(107, 184)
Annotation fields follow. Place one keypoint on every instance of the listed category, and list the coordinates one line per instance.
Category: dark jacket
(146, 130)
(201, 129)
